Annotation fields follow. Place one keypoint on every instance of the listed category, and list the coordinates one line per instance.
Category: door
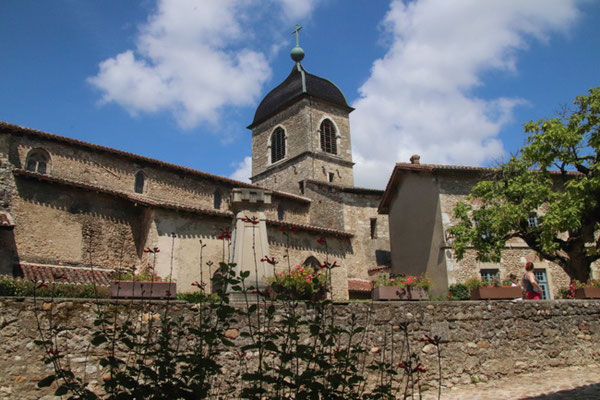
(542, 280)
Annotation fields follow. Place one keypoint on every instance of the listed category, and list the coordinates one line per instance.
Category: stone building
(81, 210)
(420, 200)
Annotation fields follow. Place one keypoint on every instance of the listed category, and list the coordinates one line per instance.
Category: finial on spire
(297, 53)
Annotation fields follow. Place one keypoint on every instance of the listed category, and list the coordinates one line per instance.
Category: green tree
(548, 194)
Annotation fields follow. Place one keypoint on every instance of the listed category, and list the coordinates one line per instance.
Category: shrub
(198, 297)
(422, 281)
(300, 283)
(458, 291)
(10, 286)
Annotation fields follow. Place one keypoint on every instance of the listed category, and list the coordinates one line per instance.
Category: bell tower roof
(299, 83)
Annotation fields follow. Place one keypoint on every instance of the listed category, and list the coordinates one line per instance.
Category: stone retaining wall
(483, 340)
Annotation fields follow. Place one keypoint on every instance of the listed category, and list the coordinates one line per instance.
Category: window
(38, 160)
(373, 228)
(140, 181)
(280, 212)
(328, 137)
(330, 176)
(312, 262)
(301, 186)
(490, 274)
(277, 145)
(217, 199)
(532, 221)
(540, 277)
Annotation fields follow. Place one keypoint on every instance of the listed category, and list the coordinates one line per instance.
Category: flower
(253, 220)
(282, 229)
(269, 260)
(294, 229)
(225, 235)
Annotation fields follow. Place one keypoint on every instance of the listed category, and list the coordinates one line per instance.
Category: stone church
(81, 210)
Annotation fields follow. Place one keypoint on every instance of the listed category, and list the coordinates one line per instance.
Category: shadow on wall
(582, 392)
(9, 257)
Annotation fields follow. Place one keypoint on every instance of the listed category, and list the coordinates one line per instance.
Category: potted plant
(401, 288)
(145, 284)
(300, 283)
(494, 289)
(588, 290)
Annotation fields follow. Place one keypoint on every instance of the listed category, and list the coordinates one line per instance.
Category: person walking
(533, 291)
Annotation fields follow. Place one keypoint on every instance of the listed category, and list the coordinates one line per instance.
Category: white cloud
(418, 98)
(187, 61)
(243, 170)
(296, 9)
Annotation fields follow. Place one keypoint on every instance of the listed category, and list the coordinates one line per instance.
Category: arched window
(217, 199)
(140, 182)
(312, 262)
(277, 145)
(38, 160)
(328, 139)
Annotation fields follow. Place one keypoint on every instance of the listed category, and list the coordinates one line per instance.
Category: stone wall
(482, 340)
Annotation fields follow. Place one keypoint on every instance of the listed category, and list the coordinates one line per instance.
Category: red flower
(321, 240)
(294, 229)
(282, 229)
(224, 235)
(269, 260)
(199, 285)
(403, 366)
(433, 340)
(253, 220)
(152, 250)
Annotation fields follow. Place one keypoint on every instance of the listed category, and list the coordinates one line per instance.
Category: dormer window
(38, 160)
(140, 182)
(277, 145)
(328, 137)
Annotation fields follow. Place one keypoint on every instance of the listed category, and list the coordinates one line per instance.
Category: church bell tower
(301, 131)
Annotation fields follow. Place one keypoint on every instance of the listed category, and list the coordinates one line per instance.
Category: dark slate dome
(298, 83)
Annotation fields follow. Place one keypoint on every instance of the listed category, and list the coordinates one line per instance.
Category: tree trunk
(578, 269)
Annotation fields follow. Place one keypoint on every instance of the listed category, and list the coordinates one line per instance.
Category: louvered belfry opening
(328, 142)
(277, 145)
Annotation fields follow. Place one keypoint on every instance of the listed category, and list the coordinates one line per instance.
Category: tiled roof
(359, 285)
(380, 268)
(63, 274)
(311, 228)
(231, 182)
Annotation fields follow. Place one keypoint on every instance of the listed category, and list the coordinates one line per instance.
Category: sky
(179, 80)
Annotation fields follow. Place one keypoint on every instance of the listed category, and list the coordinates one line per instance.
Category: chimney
(415, 159)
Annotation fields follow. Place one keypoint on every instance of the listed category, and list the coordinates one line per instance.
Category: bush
(10, 286)
(301, 283)
(458, 291)
(198, 297)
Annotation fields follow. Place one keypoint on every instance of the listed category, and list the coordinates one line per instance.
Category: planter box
(587, 292)
(399, 293)
(142, 289)
(496, 293)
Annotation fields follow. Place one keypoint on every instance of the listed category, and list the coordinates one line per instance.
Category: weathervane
(297, 53)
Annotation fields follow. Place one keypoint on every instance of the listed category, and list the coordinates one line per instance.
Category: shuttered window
(277, 145)
(328, 140)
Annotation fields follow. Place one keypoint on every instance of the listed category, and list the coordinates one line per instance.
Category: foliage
(146, 274)
(300, 283)
(24, 288)
(458, 291)
(421, 281)
(548, 195)
(197, 297)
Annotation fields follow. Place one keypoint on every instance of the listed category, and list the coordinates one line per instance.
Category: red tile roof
(64, 274)
(359, 285)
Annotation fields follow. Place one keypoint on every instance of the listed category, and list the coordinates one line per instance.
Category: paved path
(581, 383)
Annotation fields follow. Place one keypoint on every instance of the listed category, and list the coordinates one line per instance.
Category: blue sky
(179, 80)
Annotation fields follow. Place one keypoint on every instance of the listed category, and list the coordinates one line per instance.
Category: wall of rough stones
(481, 340)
